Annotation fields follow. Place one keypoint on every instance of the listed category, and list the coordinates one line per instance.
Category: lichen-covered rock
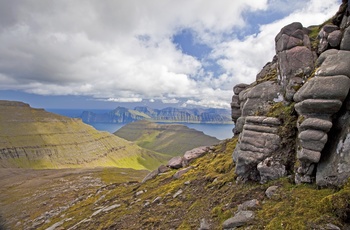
(318, 90)
(335, 87)
(330, 36)
(151, 176)
(335, 64)
(195, 153)
(334, 166)
(176, 162)
(241, 218)
(269, 169)
(239, 88)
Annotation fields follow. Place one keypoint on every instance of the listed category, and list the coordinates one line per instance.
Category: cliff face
(298, 108)
(34, 138)
(124, 115)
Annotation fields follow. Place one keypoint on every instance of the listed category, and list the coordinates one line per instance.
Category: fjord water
(220, 131)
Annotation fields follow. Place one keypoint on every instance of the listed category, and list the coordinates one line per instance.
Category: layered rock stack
(258, 141)
(295, 57)
(318, 99)
(236, 103)
(315, 78)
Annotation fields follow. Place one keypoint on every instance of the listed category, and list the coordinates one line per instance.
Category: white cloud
(122, 50)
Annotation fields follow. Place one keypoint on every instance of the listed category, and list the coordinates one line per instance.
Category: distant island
(125, 115)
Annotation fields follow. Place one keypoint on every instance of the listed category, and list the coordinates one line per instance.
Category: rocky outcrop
(295, 57)
(258, 141)
(317, 101)
(313, 76)
(179, 162)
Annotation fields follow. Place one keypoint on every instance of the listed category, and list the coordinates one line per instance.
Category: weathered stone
(150, 176)
(195, 153)
(334, 168)
(253, 148)
(235, 114)
(239, 88)
(335, 87)
(266, 91)
(318, 106)
(271, 191)
(312, 135)
(235, 103)
(289, 30)
(287, 42)
(299, 58)
(345, 43)
(324, 56)
(316, 124)
(181, 172)
(241, 218)
(271, 121)
(329, 28)
(260, 128)
(269, 169)
(334, 38)
(336, 64)
(309, 155)
(331, 227)
(292, 86)
(239, 124)
(178, 193)
(163, 169)
(246, 164)
(175, 162)
(157, 200)
(262, 142)
(204, 225)
(249, 205)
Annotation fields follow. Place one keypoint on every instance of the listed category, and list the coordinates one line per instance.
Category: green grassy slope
(34, 138)
(209, 191)
(171, 139)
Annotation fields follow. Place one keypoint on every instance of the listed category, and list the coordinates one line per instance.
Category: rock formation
(312, 75)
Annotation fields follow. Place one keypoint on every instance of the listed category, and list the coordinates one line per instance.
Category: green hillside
(34, 138)
(170, 139)
(208, 191)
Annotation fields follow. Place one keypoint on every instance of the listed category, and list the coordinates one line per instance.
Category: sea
(220, 131)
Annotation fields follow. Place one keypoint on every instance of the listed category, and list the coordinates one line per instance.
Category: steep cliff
(34, 138)
(294, 119)
(124, 115)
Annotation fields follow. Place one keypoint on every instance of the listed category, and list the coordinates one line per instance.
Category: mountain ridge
(169, 114)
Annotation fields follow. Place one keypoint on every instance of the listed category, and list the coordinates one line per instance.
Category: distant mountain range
(124, 115)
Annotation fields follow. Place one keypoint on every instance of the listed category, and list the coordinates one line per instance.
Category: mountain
(170, 139)
(34, 138)
(124, 115)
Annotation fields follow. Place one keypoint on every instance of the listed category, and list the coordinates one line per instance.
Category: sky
(159, 53)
